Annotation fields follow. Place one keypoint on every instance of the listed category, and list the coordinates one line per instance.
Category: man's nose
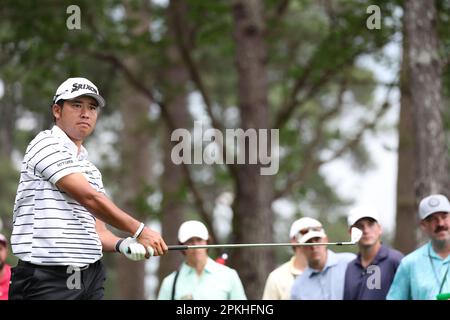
(84, 112)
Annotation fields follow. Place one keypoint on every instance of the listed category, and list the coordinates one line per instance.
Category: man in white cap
(279, 282)
(324, 277)
(424, 273)
(61, 204)
(200, 277)
(370, 275)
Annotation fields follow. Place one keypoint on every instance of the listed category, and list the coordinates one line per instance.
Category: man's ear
(381, 228)
(422, 226)
(56, 110)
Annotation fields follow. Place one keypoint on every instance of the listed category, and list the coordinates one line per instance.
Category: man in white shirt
(61, 204)
(279, 283)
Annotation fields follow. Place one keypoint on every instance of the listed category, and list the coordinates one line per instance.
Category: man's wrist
(139, 230)
(118, 243)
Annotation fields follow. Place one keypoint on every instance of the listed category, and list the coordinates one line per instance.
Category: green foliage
(9, 178)
(312, 43)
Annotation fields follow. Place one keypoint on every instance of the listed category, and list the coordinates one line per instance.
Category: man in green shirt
(200, 277)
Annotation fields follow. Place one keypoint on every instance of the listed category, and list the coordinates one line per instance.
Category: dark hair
(59, 103)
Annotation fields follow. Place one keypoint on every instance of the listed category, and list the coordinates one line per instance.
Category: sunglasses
(306, 230)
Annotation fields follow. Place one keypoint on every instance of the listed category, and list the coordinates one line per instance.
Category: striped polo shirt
(49, 227)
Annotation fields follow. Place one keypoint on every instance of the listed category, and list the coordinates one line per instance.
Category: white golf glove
(132, 249)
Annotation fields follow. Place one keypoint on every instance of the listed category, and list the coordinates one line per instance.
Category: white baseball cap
(75, 87)
(301, 224)
(190, 229)
(433, 203)
(304, 229)
(362, 212)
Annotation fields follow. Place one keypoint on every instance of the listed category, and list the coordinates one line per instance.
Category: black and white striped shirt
(51, 228)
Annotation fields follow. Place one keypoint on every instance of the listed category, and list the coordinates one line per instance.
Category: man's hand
(132, 249)
(149, 238)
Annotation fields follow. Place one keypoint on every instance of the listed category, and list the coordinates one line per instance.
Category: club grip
(178, 247)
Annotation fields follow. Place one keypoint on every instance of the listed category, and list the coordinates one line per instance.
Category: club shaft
(257, 245)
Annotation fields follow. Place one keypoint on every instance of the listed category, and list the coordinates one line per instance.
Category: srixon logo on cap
(78, 86)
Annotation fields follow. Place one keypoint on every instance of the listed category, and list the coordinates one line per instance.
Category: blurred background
(359, 91)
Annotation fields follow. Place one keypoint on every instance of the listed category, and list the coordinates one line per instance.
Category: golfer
(61, 207)
(424, 273)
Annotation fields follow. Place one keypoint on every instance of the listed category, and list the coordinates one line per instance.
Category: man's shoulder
(394, 254)
(345, 257)
(281, 269)
(416, 255)
(43, 137)
(280, 272)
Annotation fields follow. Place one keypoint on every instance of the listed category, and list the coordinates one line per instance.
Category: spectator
(279, 283)
(324, 277)
(200, 277)
(424, 273)
(370, 275)
(5, 269)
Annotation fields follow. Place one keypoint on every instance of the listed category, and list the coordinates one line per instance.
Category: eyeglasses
(306, 230)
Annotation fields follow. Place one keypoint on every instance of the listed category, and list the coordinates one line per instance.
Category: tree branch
(140, 87)
(176, 18)
(313, 165)
(293, 102)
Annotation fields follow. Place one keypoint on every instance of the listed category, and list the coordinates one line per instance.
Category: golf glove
(132, 249)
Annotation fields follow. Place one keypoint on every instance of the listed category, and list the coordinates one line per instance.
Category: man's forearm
(77, 187)
(103, 208)
(108, 239)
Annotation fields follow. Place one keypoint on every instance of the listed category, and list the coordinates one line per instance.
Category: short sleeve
(49, 159)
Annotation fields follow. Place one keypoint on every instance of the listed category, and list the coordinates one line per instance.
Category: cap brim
(312, 234)
(101, 102)
(363, 217)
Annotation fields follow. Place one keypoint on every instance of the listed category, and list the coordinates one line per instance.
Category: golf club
(355, 237)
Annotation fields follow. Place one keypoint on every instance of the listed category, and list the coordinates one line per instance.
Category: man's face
(371, 231)
(315, 254)
(195, 254)
(437, 226)
(78, 117)
(3, 254)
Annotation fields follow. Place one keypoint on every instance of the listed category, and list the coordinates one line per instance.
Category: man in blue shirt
(324, 277)
(370, 275)
(424, 273)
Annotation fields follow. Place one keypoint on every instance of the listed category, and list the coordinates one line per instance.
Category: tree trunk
(134, 176)
(405, 233)
(174, 82)
(7, 121)
(425, 87)
(135, 172)
(253, 217)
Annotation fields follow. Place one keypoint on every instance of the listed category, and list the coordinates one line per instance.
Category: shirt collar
(293, 269)
(429, 251)
(332, 260)
(382, 254)
(58, 132)
(209, 267)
